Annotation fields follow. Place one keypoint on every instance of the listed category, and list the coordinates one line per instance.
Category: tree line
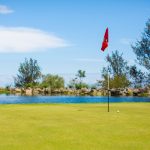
(121, 74)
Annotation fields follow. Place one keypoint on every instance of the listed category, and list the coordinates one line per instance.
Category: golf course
(75, 126)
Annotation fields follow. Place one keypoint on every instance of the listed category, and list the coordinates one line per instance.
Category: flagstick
(108, 88)
(104, 46)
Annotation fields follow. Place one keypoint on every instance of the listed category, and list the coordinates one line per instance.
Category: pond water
(11, 99)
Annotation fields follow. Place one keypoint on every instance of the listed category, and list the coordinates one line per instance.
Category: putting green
(75, 127)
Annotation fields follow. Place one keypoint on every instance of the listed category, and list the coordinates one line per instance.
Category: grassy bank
(75, 127)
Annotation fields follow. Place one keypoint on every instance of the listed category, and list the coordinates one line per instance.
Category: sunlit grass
(75, 127)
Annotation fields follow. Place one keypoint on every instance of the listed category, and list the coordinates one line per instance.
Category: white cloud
(126, 41)
(5, 10)
(20, 39)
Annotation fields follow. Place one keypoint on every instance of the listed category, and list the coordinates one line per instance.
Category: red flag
(105, 41)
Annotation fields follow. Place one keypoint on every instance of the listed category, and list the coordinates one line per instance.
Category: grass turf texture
(75, 127)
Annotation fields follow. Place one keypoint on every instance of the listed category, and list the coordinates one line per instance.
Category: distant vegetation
(77, 82)
(118, 71)
(29, 73)
(121, 75)
(52, 81)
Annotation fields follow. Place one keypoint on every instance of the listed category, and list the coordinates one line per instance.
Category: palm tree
(81, 75)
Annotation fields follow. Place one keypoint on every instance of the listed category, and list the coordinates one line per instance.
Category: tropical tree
(72, 83)
(119, 82)
(117, 65)
(148, 80)
(77, 82)
(142, 48)
(137, 76)
(80, 75)
(118, 71)
(114, 81)
(29, 73)
(53, 81)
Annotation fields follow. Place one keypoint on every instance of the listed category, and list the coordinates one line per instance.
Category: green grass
(75, 127)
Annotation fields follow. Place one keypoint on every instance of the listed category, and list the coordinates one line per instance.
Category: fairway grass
(75, 127)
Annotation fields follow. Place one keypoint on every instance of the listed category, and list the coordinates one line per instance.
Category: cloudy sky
(65, 36)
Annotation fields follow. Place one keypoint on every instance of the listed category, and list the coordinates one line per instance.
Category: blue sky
(65, 36)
